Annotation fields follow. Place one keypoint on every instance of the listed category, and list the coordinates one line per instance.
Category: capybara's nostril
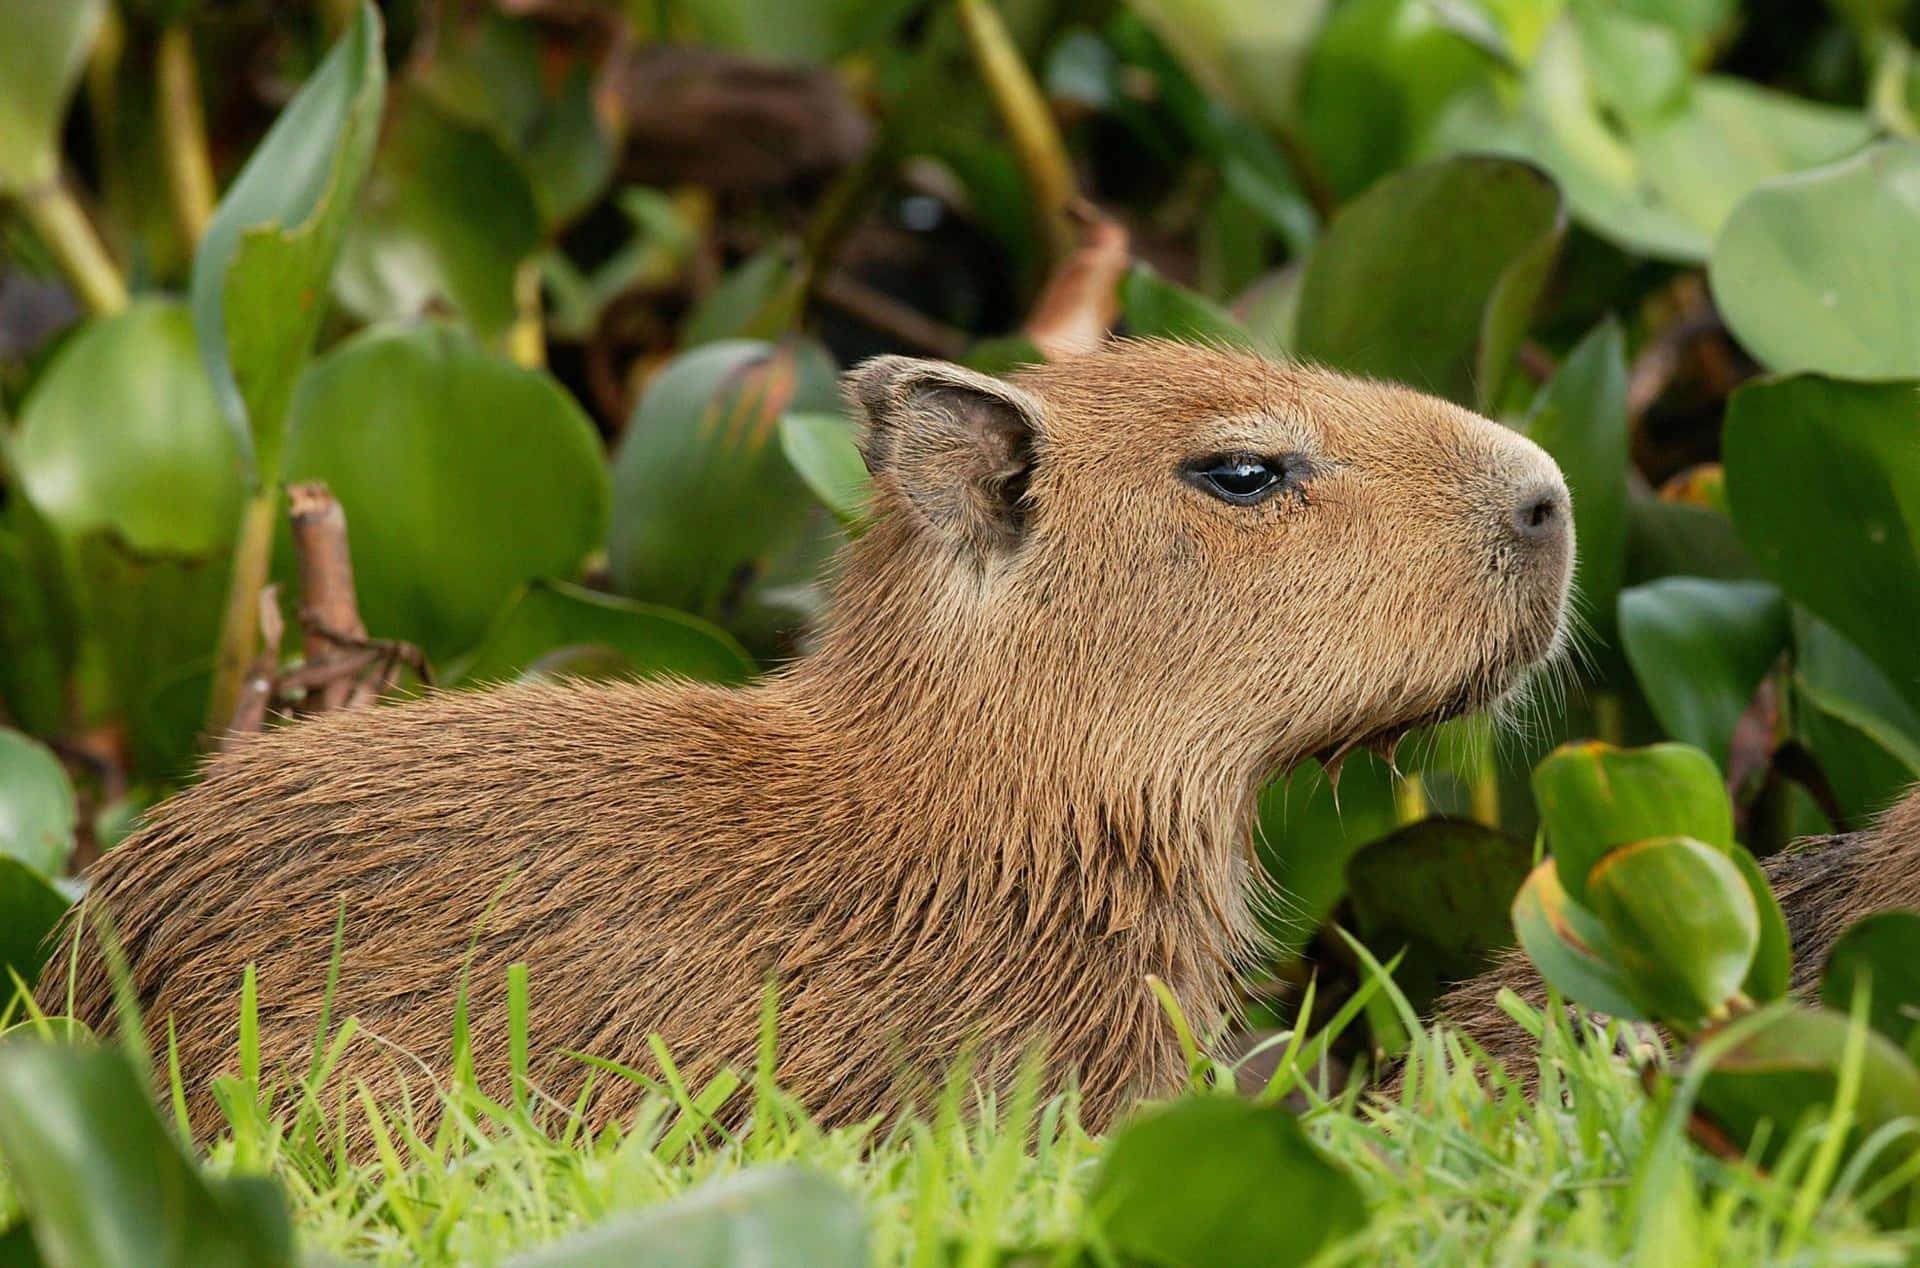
(1540, 512)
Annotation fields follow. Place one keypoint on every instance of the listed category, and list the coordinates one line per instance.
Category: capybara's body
(1095, 609)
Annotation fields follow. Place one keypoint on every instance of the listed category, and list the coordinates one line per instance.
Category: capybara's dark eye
(1242, 479)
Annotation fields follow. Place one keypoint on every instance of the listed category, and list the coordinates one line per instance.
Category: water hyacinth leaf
(702, 496)
(462, 478)
(1249, 55)
(1221, 1182)
(261, 272)
(1683, 924)
(1815, 271)
(1154, 306)
(1883, 948)
(29, 909)
(645, 639)
(824, 449)
(1570, 946)
(779, 1217)
(1863, 731)
(103, 1183)
(1429, 277)
(1308, 829)
(1580, 418)
(1699, 649)
(36, 804)
(447, 213)
(1771, 974)
(40, 62)
(1594, 796)
(35, 643)
(760, 299)
(1795, 449)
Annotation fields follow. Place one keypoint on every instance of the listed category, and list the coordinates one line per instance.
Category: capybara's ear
(957, 445)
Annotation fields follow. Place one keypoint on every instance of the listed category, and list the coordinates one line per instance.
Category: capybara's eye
(1242, 479)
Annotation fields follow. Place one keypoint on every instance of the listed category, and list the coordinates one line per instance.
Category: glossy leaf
(1699, 649)
(1817, 272)
(1570, 946)
(1430, 276)
(1250, 55)
(29, 909)
(1580, 418)
(1667, 538)
(261, 273)
(774, 1217)
(40, 62)
(102, 1182)
(703, 497)
(462, 478)
(1884, 948)
(1863, 731)
(1683, 924)
(1797, 451)
(644, 639)
(1153, 306)
(36, 804)
(825, 451)
(1594, 797)
(1307, 831)
(1215, 1182)
(1771, 974)
(759, 299)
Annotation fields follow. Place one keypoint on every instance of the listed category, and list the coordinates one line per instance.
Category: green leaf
(103, 1183)
(1771, 975)
(462, 477)
(1155, 307)
(35, 641)
(1580, 418)
(447, 213)
(1306, 833)
(1570, 946)
(1429, 278)
(261, 273)
(1864, 733)
(759, 299)
(1667, 538)
(1699, 649)
(1594, 797)
(703, 499)
(774, 1217)
(824, 450)
(1799, 450)
(1683, 923)
(29, 909)
(1214, 1182)
(1884, 948)
(1817, 272)
(40, 62)
(1444, 887)
(36, 805)
(643, 639)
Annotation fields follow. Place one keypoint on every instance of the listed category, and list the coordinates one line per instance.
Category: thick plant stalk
(56, 216)
(1030, 125)
(526, 342)
(183, 133)
(240, 619)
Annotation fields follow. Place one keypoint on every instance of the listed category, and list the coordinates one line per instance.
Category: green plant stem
(56, 216)
(1609, 719)
(1486, 786)
(526, 338)
(240, 619)
(1410, 799)
(183, 132)
(1030, 125)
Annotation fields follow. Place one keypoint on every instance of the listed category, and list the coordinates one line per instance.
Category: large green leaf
(1884, 948)
(773, 1217)
(1213, 1182)
(121, 434)
(1308, 829)
(1683, 924)
(462, 477)
(1431, 275)
(1824, 480)
(102, 1182)
(260, 276)
(1155, 307)
(552, 616)
(1580, 418)
(36, 804)
(1570, 946)
(1771, 974)
(1699, 649)
(447, 213)
(29, 909)
(825, 451)
(703, 497)
(40, 60)
(35, 641)
(1863, 731)
(1594, 797)
(1817, 271)
(1248, 55)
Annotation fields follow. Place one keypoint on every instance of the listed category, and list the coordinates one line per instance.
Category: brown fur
(1824, 884)
(1017, 777)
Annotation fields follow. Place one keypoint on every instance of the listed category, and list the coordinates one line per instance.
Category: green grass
(1460, 1166)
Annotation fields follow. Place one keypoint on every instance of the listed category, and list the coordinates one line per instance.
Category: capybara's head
(1198, 543)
